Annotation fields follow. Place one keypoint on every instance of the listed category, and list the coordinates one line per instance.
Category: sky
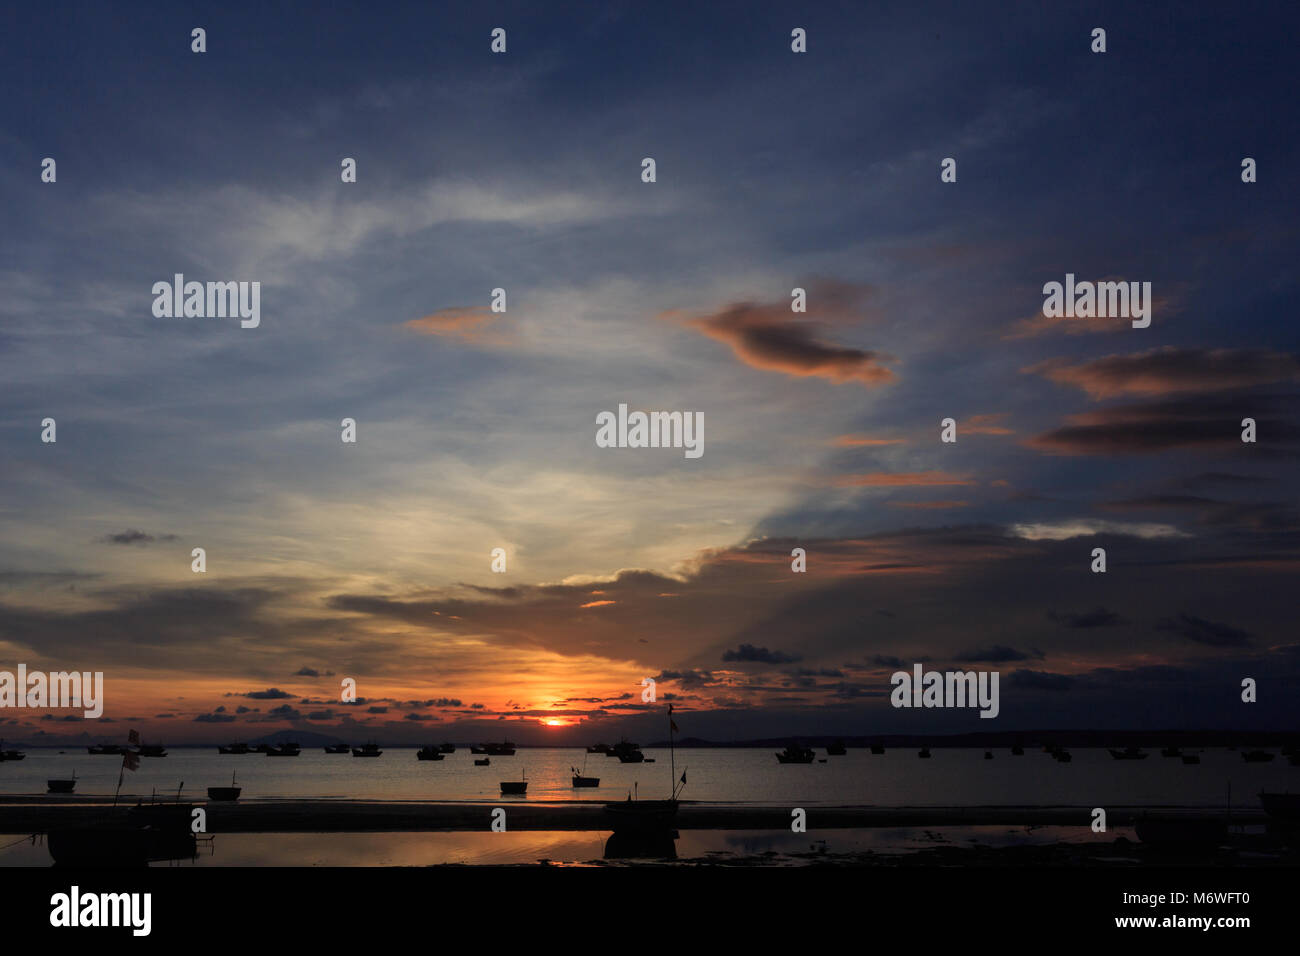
(476, 429)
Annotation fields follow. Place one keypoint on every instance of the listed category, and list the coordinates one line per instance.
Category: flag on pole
(130, 761)
(133, 738)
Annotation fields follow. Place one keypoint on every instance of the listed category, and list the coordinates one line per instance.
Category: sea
(896, 778)
(726, 776)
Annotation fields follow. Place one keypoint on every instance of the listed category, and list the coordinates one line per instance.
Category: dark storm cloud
(748, 653)
(199, 628)
(306, 672)
(215, 718)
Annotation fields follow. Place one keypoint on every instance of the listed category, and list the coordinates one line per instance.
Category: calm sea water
(897, 778)
(567, 847)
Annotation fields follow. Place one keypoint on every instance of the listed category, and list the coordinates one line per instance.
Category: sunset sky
(476, 430)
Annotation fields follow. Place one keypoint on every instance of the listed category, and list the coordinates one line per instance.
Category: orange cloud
(1162, 306)
(902, 479)
(858, 441)
(770, 337)
(467, 323)
(984, 425)
(597, 603)
(1167, 370)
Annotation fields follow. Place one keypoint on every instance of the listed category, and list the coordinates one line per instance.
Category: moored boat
(337, 749)
(429, 753)
(795, 753)
(228, 794)
(646, 828)
(10, 754)
(1130, 753)
(61, 786)
(626, 752)
(368, 750)
(146, 833)
(105, 750)
(836, 749)
(234, 749)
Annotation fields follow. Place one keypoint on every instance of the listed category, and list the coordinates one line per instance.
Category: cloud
(997, 654)
(748, 653)
(1205, 421)
(215, 718)
(1039, 680)
(1163, 305)
(863, 441)
(881, 479)
(272, 693)
(1210, 633)
(132, 536)
(469, 324)
(929, 505)
(1098, 617)
(1084, 527)
(769, 336)
(306, 672)
(1168, 370)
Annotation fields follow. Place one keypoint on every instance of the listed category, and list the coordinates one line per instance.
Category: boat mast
(672, 758)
